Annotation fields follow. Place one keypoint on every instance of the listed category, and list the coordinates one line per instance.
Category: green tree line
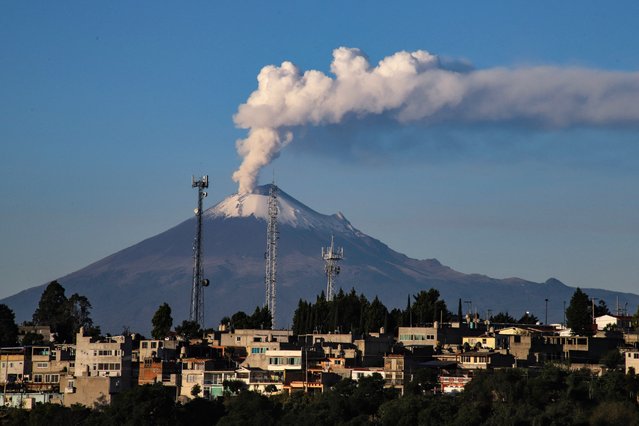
(350, 312)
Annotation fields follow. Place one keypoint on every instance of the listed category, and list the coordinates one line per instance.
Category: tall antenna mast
(272, 235)
(197, 300)
(332, 255)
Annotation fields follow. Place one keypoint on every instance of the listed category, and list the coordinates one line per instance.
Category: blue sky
(108, 109)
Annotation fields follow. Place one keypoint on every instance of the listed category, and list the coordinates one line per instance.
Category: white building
(280, 360)
(108, 357)
(617, 321)
(632, 360)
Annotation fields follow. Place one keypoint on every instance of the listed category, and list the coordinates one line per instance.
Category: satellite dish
(205, 282)
(195, 210)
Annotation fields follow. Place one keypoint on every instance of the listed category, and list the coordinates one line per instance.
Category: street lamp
(546, 322)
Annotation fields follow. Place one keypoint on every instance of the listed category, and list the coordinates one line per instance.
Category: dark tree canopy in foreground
(8, 327)
(64, 315)
(549, 396)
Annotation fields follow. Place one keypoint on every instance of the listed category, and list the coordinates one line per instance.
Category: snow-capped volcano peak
(290, 211)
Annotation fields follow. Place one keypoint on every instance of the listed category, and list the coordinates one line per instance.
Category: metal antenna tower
(272, 235)
(332, 255)
(197, 300)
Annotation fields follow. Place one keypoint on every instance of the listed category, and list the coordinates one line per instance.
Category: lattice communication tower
(331, 255)
(197, 299)
(270, 256)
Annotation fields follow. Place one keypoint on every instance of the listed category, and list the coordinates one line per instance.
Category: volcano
(127, 287)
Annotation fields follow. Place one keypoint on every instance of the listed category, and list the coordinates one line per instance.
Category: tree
(234, 386)
(528, 318)
(162, 322)
(32, 339)
(261, 318)
(196, 390)
(601, 308)
(376, 314)
(8, 327)
(188, 329)
(142, 405)
(64, 315)
(612, 359)
(53, 310)
(579, 315)
(502, 318)
(428, 308)
(80, 309)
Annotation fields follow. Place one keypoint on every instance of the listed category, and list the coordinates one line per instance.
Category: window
(42, 365)
(238, 339)
(517, 339)
(37, 378)
(145, 345)
(191, 378)
(154, 345)
(52, 378)
(636, 356)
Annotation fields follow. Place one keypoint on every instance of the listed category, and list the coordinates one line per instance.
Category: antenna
(332, 255)
(197, 301)
(270, 256)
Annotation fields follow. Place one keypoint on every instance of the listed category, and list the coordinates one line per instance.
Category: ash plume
(411, 87)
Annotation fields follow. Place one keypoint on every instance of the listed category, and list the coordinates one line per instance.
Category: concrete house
(102, 369)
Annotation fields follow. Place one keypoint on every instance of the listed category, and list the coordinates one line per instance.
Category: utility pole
(546, 322)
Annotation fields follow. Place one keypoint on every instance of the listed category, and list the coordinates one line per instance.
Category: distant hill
(127, 287)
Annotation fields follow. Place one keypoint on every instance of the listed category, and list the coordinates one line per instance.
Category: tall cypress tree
(579, 314)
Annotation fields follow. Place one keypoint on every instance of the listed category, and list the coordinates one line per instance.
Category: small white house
(618, 321)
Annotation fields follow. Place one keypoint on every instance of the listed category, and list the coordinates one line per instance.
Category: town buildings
(93, 371)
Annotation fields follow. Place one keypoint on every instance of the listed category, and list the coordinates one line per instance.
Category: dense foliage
(350, 312)
(8, 327)
(550, 396)
(64, 315)
(579, 314)
(260, 319)
(162, 322)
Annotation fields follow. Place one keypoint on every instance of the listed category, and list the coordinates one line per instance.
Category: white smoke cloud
(418, 87)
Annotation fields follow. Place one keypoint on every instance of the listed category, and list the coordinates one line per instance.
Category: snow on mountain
(290, 211)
